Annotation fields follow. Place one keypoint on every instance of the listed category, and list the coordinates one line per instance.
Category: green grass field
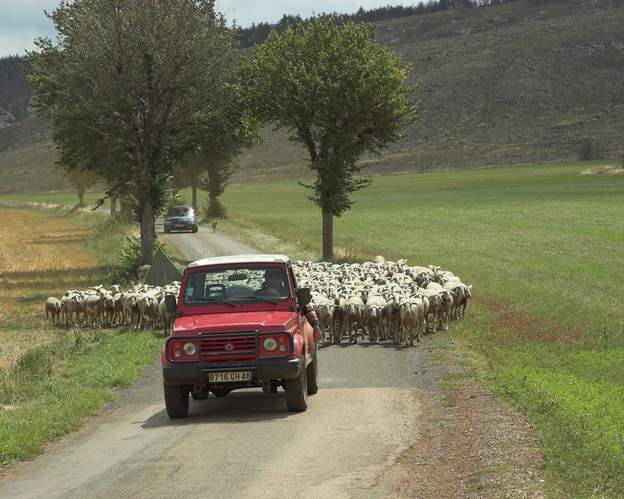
(543, 247)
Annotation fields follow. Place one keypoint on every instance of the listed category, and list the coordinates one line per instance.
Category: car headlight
(189, 349)
(269, 344)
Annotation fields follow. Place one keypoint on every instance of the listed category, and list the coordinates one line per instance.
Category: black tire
(297, 393)
(195, 230)
(312, 375)
(177, 401)
(167, 231)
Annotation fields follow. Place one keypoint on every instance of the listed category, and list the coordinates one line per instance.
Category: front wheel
(297, 392)
(177, 401)
(312, 375)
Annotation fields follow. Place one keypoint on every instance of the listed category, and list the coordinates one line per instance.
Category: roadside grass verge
(542, 246)
(51, 378)
(54, 387)
(573, 394)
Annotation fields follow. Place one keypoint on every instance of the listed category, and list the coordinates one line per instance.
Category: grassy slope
(542, 246)
(508, 84)
(50, 378)
(514, 83)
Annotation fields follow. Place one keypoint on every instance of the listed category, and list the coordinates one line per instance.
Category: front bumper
(261, 371)
(184, 226)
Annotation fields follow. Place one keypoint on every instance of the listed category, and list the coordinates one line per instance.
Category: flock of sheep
(142, 306)
(381, 300)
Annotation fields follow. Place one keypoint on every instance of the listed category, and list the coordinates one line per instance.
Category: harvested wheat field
(40, 255)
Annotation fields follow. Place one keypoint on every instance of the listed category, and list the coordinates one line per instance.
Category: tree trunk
(113, 211)
(215, 208)
(194, 197)
(147, 233)
(81, 193)
(328, 234)
(126, 211)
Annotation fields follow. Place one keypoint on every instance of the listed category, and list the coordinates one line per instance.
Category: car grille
(229, 347)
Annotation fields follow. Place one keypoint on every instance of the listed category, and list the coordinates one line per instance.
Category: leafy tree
(214, 181)
(225, 131)
(208, 174)
(187, 175)
(341, 94)
(134, 82)
(81, 180)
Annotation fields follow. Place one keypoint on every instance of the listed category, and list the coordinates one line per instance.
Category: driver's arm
(312, 318)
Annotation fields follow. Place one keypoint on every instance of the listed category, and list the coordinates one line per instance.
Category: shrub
(214, 209)
(129, 259)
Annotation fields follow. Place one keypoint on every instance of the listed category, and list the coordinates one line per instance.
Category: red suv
(239, 324)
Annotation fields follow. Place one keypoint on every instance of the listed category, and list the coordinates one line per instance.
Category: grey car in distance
(180, 218)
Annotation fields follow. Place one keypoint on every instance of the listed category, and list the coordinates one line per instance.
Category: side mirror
(304, 296)
(170, 304)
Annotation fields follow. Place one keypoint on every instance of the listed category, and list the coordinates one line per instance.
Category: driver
(274, 286)
(273, 283)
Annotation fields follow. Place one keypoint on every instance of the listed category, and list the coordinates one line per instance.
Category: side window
(195, 287)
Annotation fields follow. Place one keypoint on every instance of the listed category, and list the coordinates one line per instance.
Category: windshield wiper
(258, 298)
(224, 302)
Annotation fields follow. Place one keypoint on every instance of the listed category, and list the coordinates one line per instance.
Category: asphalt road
(204, 243)
(245, 445)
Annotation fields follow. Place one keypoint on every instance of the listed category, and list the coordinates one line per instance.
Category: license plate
(229, 377)
(179, 226)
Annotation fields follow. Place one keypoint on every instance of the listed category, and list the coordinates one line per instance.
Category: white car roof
(253, 258)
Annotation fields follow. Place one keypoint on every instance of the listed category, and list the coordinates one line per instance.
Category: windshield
(258, 284)
(180, 211)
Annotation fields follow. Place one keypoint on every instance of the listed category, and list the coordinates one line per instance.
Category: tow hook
(269, 386)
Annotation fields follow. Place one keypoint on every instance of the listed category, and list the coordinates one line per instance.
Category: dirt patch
(472, 445)
(522, 327)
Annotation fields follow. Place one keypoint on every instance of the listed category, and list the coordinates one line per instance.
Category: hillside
(520, 82)
(509, 84)
(15, 92)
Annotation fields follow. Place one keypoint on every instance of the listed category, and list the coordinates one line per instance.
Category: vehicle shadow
(237, 407)
(367, 344)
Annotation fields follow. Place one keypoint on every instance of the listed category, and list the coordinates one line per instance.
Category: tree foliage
(230, 128)
(130, 87)
(341, 94)
(214, 182)
(81, 180)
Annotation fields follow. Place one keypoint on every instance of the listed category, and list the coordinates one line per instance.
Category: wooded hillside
(519, 82)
